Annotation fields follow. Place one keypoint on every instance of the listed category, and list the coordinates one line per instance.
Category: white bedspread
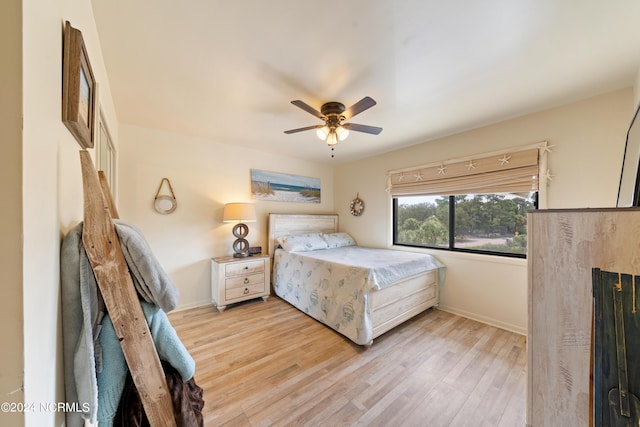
(332, 285)
(382, 266)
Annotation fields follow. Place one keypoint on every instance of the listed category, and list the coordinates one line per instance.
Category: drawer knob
(246, 267)
(246, 280)
(246, 291)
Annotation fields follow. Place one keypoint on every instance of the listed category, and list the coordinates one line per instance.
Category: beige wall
(204, 175)
(11, 313)
(51, 188)
(588, 139)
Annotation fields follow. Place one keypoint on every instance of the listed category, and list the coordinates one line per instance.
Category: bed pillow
(338, 240)
(302, 242)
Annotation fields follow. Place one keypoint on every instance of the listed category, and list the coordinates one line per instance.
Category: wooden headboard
(287, 224)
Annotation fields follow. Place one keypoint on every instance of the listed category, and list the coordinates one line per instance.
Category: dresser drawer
(244, 268)
(244, 286)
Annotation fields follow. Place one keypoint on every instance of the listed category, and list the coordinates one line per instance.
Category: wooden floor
(268, 364)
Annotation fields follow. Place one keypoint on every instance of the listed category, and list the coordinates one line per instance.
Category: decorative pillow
(338, 240)
(302, 242)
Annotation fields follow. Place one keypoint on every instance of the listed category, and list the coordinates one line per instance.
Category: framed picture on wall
(284, 187)
(78, 88)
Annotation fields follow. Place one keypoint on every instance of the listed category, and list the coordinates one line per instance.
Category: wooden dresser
(564, 247)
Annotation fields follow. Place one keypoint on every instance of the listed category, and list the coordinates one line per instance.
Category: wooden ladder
(121, 299)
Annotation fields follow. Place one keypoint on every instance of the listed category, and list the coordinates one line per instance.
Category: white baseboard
(488, 320)
(182, 307)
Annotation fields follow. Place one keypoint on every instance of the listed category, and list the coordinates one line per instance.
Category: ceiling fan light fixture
(323, 132)
(333, 114)
(342, 133)
(332, 138)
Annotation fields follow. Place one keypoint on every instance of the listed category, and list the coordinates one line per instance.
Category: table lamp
(240, 213)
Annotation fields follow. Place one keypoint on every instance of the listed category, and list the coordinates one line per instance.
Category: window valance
(514, 171)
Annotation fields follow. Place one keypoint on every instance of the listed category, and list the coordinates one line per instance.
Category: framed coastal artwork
(78, 88)
(284, 187)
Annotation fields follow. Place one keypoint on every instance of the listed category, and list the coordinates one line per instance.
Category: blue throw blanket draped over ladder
(83, 313)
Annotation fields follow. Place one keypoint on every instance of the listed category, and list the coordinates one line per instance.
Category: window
(473, 204)
(484, 223)
(106, 154)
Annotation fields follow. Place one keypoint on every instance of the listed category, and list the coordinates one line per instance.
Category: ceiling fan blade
(309, 109)
(357, 108)
(303, 129)
(362, 128)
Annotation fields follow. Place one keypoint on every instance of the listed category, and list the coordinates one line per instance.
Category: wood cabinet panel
(564, 247)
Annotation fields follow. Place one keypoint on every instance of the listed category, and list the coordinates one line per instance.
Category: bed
(359, 292)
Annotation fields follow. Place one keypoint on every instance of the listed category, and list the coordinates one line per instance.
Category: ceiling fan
(334, 114)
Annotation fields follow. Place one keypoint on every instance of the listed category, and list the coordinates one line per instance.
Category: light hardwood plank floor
(268, 364)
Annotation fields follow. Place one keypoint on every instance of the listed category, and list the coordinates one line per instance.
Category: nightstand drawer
(243, 281)
(243, 268)
(244, 286)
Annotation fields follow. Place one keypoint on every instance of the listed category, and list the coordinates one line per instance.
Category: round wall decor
(357, 206)
(165, 204)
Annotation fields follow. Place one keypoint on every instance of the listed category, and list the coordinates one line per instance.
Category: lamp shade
(323, 132)
(332, 138)
(342, 133)
(239, 212)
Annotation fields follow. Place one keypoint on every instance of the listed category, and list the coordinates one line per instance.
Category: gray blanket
(83, 310)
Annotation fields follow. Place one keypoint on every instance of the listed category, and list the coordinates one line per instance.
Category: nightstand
(239, 279)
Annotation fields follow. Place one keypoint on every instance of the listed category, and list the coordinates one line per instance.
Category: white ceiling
(226, 71)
